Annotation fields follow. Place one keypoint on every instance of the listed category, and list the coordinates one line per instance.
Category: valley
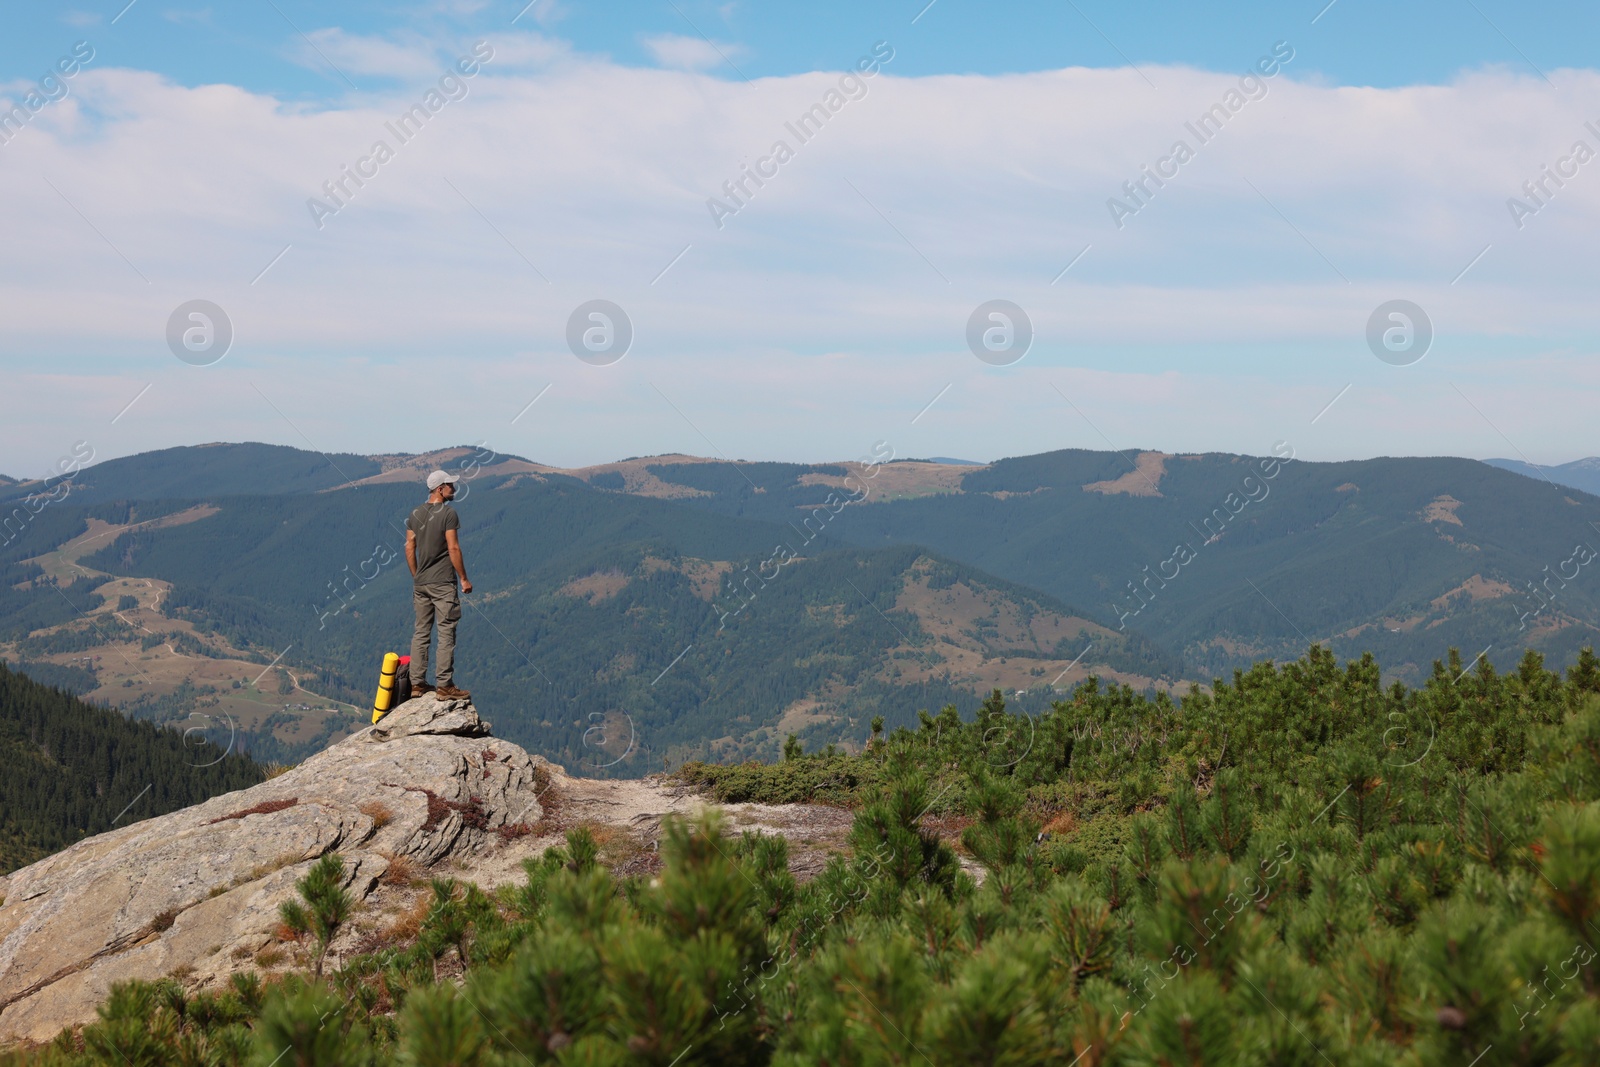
(635, 615)
(170, 670)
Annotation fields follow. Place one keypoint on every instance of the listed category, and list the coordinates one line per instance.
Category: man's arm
(411, 551)
(452, 541)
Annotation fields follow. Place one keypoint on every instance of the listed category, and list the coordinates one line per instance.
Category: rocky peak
(196, 892)
(200, 888)
(428, 715)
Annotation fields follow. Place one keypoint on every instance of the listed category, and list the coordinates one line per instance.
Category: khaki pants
(443, 603)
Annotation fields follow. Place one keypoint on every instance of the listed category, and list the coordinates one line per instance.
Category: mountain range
(1579, 474)
(658, 609)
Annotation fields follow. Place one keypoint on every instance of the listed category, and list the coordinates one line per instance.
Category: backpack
(402, 683)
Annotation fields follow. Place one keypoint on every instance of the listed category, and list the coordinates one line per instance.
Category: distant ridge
(956, 462)
(648, 591)
(213, 470)
(1581, 474)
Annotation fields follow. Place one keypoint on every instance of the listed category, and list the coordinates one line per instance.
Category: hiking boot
(450, 692)
(421, 690)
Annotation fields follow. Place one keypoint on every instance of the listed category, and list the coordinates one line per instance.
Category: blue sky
(990, 156)
(1353, 42)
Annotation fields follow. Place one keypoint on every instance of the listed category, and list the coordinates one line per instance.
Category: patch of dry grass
(409, 923)
(512, 830)
(550, 820)
(260, 870)
(402, 870)
(621, 849)
(642, 860)
(1062, 823)
(439, 809)
(380, 814)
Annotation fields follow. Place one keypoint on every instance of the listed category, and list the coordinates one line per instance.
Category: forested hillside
(72, 769)
(661, 609)
(196, 471)
(1225, 559)
(604, 632)
(1305, 867)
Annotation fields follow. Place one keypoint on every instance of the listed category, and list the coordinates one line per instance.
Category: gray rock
(429, 715)
(188, 888)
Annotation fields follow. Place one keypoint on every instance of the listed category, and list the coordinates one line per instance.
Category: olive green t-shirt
(429, 522)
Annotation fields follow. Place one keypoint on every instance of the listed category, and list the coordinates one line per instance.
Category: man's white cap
(438, 478)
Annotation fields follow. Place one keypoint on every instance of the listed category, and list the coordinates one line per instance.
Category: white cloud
(678, 52)
(548, 12)
(411, 56)
(179, 16)
(808, 325)
(457, 8)
(529, 51)
(419, 59)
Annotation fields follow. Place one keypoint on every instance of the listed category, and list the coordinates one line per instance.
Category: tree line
(74, 769)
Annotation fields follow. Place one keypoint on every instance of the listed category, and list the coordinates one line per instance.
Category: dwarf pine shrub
(1301, 867)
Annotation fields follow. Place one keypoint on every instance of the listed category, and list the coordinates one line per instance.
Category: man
(433, 552)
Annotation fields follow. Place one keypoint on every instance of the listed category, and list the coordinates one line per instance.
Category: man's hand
(452, 543)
